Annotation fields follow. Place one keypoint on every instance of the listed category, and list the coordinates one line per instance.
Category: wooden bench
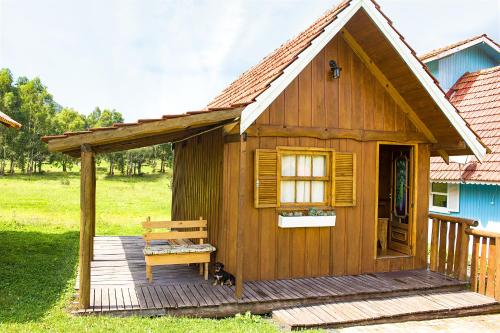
(177, 247)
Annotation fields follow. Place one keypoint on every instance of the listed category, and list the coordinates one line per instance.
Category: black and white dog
(222, 277)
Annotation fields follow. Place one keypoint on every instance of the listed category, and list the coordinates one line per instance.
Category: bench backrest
(194, 229)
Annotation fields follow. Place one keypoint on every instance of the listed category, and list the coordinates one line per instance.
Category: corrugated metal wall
(480, 202)
(449, 69)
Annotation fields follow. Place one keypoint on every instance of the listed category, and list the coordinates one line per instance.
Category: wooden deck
(119, 286)
(386, 309)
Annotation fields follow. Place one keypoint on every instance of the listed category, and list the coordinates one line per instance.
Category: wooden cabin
(315, 162)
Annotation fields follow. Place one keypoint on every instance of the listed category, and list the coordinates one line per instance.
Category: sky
(154, 57)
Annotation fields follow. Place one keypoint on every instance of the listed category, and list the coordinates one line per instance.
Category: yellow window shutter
(344, 179)
(266, 178)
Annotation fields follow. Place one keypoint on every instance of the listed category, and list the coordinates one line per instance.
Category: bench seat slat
(175, 249)
(175, 235)
(175, 224)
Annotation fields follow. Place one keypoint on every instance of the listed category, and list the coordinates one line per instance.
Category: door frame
(412, 228)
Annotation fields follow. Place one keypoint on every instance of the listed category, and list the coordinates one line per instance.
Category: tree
(38, 109)
(8, 105)
(67, 120)
(106, 118)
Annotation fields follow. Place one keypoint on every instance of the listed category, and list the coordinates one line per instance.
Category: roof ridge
(437, 51)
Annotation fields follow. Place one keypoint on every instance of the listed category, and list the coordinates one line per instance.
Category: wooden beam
(391, 90)
(142, 130)
(232, 128)
(335, 133)
(142, 142)
(87, 220)
(444, 156)
(242, 196)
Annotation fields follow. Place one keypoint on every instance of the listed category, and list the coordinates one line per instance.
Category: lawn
(39, 234)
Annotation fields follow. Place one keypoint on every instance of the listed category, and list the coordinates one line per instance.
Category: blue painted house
(470, 73)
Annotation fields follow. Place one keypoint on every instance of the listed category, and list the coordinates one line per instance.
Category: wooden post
(87, 220)
(242, 196)
(434, 245)
(92, 210)
(497, 270)
(463, 254)
(201, 242)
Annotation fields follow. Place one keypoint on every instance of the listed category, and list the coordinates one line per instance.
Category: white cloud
(148, 58)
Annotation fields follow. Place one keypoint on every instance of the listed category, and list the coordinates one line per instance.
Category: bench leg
(206, 270)
(201, 269)
(149, 273)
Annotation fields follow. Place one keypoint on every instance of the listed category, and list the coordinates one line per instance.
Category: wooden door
(402, 182)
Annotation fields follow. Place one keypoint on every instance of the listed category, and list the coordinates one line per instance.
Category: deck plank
(394, 308)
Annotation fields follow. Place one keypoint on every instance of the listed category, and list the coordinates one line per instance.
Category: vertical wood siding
(197, 181)
(313, 99)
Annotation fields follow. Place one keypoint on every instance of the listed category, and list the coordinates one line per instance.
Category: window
(444, 197)
(305, 177)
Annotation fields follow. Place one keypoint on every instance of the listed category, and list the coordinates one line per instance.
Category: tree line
(29, 103)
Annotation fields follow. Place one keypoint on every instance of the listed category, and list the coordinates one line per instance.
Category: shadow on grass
(145, 177)
(35, 270)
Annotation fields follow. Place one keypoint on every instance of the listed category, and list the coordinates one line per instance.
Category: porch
(119, 286)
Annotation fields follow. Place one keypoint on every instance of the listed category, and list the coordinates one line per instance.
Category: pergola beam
(130, 134)
(87, 222)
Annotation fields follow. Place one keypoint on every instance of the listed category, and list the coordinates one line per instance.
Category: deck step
(420, 306)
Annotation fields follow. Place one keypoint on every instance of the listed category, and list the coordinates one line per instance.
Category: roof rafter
(142, 134)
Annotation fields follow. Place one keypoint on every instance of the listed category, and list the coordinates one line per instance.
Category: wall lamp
(334, 69)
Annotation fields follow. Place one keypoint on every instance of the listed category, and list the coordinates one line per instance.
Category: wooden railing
(450, 253)
(449, 245)
(485, 263)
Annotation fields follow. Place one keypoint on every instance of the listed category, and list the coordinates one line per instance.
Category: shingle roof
(8, 121)
(437, 52)
(115, 126)
(477, 97)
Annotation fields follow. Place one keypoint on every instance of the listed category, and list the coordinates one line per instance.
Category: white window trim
(447, 209)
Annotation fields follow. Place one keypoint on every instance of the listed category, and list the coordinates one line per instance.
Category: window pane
(303, 165)
(318, 191)
(439, 200)
(288, 165)
(287, 191)
(319, 169)
(440, 187)
(303, 191)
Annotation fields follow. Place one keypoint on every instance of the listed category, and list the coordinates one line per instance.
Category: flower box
(306, 221)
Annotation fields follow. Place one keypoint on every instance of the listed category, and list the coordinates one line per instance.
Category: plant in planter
(313, 217)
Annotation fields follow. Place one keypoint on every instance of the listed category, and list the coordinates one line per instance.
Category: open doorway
(395, 199)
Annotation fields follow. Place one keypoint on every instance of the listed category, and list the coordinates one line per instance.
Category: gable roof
(477, 97)
(458, 46)
(8, 121)
(257, 88)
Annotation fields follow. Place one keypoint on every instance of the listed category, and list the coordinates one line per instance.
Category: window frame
(449, 205)
(328, 179)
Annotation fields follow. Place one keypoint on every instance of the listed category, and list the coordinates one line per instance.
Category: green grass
(39, 234)
(53, 199)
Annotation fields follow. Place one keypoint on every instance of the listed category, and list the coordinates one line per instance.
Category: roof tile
(477, 97)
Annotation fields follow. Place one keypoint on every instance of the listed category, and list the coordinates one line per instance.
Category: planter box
(306, 221)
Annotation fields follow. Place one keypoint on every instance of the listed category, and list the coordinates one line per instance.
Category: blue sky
(155, 57)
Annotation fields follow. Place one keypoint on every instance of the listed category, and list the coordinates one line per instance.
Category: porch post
(241, 216)
(87, 221)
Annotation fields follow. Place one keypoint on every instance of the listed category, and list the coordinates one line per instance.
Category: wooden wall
(313, 99)
(197, 180)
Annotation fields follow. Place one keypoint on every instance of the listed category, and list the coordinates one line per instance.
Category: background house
(469, 70)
